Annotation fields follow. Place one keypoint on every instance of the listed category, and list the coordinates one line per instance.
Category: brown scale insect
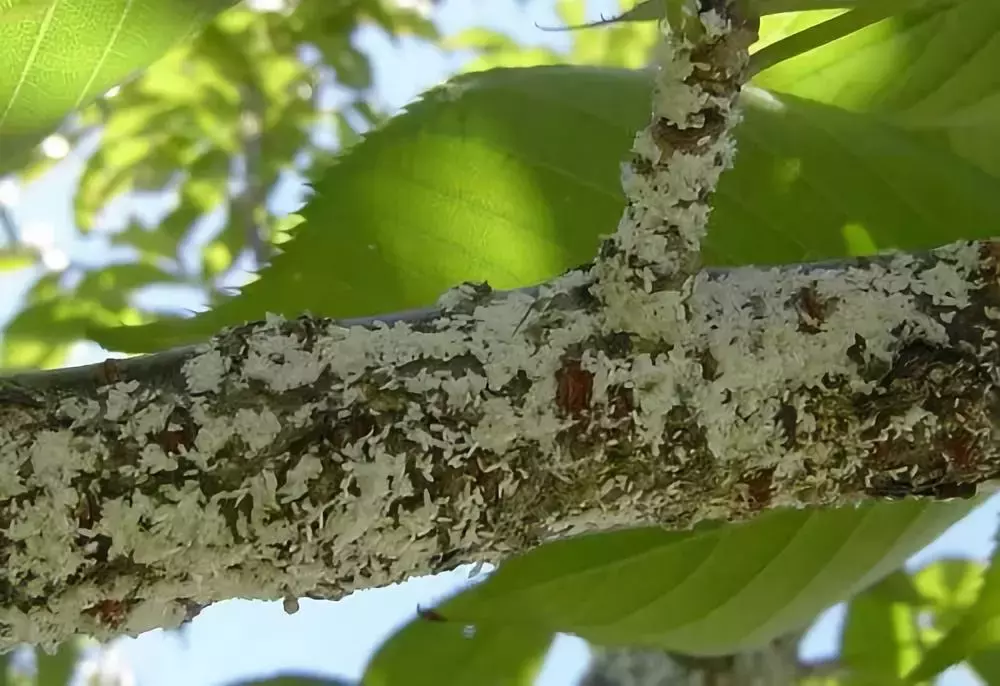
(574, 388)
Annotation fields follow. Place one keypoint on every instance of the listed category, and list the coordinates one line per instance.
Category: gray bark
(305, 458)
(776, 664)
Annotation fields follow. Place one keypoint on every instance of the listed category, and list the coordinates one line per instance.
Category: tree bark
(311, 457)
(775, 664)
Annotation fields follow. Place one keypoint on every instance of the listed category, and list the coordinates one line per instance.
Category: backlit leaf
(59, 57)
(57, 669)
(977, 629)
(931, 69)
(881, 639)
(716, 590)
(427, 653)
(464, 187)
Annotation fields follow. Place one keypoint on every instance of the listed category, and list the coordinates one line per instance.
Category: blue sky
(250, 638)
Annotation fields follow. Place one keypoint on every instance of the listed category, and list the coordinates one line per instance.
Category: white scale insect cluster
(292, 458)
(677, 162)
(440, 455)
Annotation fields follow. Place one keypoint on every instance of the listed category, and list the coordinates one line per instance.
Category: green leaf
(479, 38)
(110, 285)
(40, 335)
(948, 587)
(32, 353)
(464, 187)
(801, 42)
(881, 639)
(6, 668)
(18, 257)
(150, 242)
(400, 20)
(57, 669)
(426, 653)
(59, 58)
(931, 69)
(626, 44)
(18, 10)
(654, 10)
(115, 169)
(987, 665)
(977, 630)
(715, 590)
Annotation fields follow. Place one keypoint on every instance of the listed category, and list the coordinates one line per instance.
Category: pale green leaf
(39, 336)
(479, 38)
(465, 187)
(60, 57)
(881, 640)
(825, 32)
(32, 353)
(977, 629)
(931, 69)
(716, 590)
(111, 284)
(150, 243)
(13, 259)
(948, 587)
(19, 10)
(57, 669)
(572, 14)
(427, 653)
(117, 166)
(654, 10)
(522, 57)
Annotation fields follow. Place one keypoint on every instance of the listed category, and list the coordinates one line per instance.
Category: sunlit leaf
(716, 590)
(39, 336)
(60, 57)
(654, 10)
(114, 169)
(464, 187)
(12, 259)
(479, 38)
(977, 630)
(57, 669)
(433, 653)
(881, 636)
(931, 69)
(150, 242)
(948, 587)
(826, 32)
(111, 284)
(19, 10)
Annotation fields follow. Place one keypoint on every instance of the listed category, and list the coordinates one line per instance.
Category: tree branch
(306, 458)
